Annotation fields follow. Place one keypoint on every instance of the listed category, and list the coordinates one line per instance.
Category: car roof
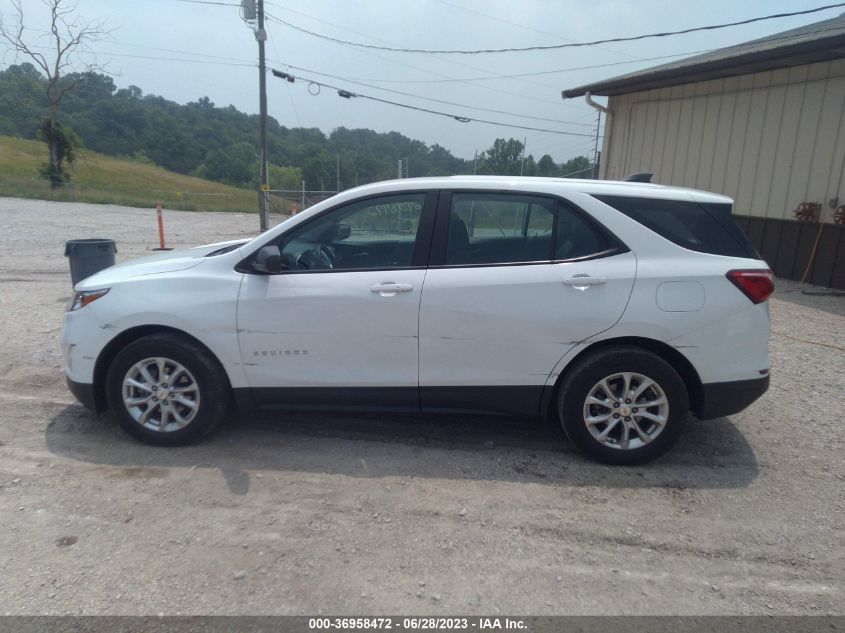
(544, 185)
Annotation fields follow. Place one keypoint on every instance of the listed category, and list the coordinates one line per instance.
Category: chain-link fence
(130, 195)
(283, 202)
(196, 201)
(287, 202)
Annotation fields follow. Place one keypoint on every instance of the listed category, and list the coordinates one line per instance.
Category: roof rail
(642, 176)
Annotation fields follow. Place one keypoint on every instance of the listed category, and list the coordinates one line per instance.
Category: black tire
(210, 379)
(587, 372)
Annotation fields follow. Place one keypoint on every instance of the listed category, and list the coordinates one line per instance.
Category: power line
(568, 147)
(518, 25)
(220, 60)
(346, 94)
(451, 103)
(180, 52)
(165, 59)
(383, 41)
(243, 62)
(278, 57)
(287, 86)
(532, 74)
(272, 18)
(580, 171)
(172, 59)
(159, 49)
(632, 38)
(219, 4)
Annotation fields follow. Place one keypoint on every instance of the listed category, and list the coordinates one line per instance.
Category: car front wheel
(623, 405)
(166, 390)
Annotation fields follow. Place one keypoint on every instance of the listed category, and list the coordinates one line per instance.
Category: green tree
(23, 99)
(67, 34)
(528, 167)
(63, 145)
(286, 178)
(198, 138)
(578, 167)
(317, 167)
(547, 166)
(233, 165)
(503, 158)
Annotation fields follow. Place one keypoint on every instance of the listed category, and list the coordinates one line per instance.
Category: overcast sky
(179, 31)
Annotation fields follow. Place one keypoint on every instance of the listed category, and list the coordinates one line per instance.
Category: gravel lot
(390, 514)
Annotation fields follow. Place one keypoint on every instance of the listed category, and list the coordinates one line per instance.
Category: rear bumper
(726, 398)
(84, 393)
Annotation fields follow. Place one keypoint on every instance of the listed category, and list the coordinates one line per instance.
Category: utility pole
(524, 143)
(475, 163)
(338, 173)
(596, 149)
(263, 196)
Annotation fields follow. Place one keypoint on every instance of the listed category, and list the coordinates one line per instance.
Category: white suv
(618, 307)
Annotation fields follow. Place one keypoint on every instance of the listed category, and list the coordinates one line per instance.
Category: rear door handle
(390, 288)
(583, 282)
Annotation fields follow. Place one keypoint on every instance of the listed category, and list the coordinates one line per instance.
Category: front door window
(378, 233)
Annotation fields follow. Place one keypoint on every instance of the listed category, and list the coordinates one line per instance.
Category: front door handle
(582, 282)
(390, 288)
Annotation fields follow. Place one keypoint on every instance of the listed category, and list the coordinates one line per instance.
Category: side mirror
(268, 259)
(342, 231)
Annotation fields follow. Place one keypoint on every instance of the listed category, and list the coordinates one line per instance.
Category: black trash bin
(89, 256)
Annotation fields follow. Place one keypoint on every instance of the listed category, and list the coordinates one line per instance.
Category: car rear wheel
(166, 390)
(623, 405)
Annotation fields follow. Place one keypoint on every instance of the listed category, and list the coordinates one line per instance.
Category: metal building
(762, 122)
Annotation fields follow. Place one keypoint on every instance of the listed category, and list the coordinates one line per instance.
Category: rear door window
(576, 237)
(703, 227)
(493, 228)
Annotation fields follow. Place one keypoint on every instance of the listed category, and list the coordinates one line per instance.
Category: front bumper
(84, 393)
(726, 398)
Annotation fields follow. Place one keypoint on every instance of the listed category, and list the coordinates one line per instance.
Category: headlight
(82, 299)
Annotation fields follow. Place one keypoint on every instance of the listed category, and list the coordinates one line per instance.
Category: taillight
(757, 285)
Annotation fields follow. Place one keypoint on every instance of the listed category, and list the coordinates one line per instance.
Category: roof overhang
(711, 66)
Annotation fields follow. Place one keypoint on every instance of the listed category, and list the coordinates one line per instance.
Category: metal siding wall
(787, 246)
(661, 134)
(770, 140)
(776, 136)
(753, 145)
(836, 179)
(736, 154)
(663, 169)
(828, 148)
(652, 127)
(683, 137)
(722, 140)
(807, 149)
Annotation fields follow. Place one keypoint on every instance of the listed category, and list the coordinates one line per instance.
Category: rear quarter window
(703, 227)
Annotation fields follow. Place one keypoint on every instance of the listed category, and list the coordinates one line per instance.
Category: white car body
(492, 338)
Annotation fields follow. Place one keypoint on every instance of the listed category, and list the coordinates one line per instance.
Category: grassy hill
(103, 179)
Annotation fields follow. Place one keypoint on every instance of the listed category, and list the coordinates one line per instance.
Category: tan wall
(769, 140)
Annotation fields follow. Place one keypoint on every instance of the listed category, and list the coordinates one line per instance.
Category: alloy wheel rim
(161, 394)
(626, 410)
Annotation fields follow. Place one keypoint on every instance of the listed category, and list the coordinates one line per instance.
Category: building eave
(713, 66)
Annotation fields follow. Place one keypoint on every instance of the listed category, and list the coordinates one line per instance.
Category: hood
(164, 262)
